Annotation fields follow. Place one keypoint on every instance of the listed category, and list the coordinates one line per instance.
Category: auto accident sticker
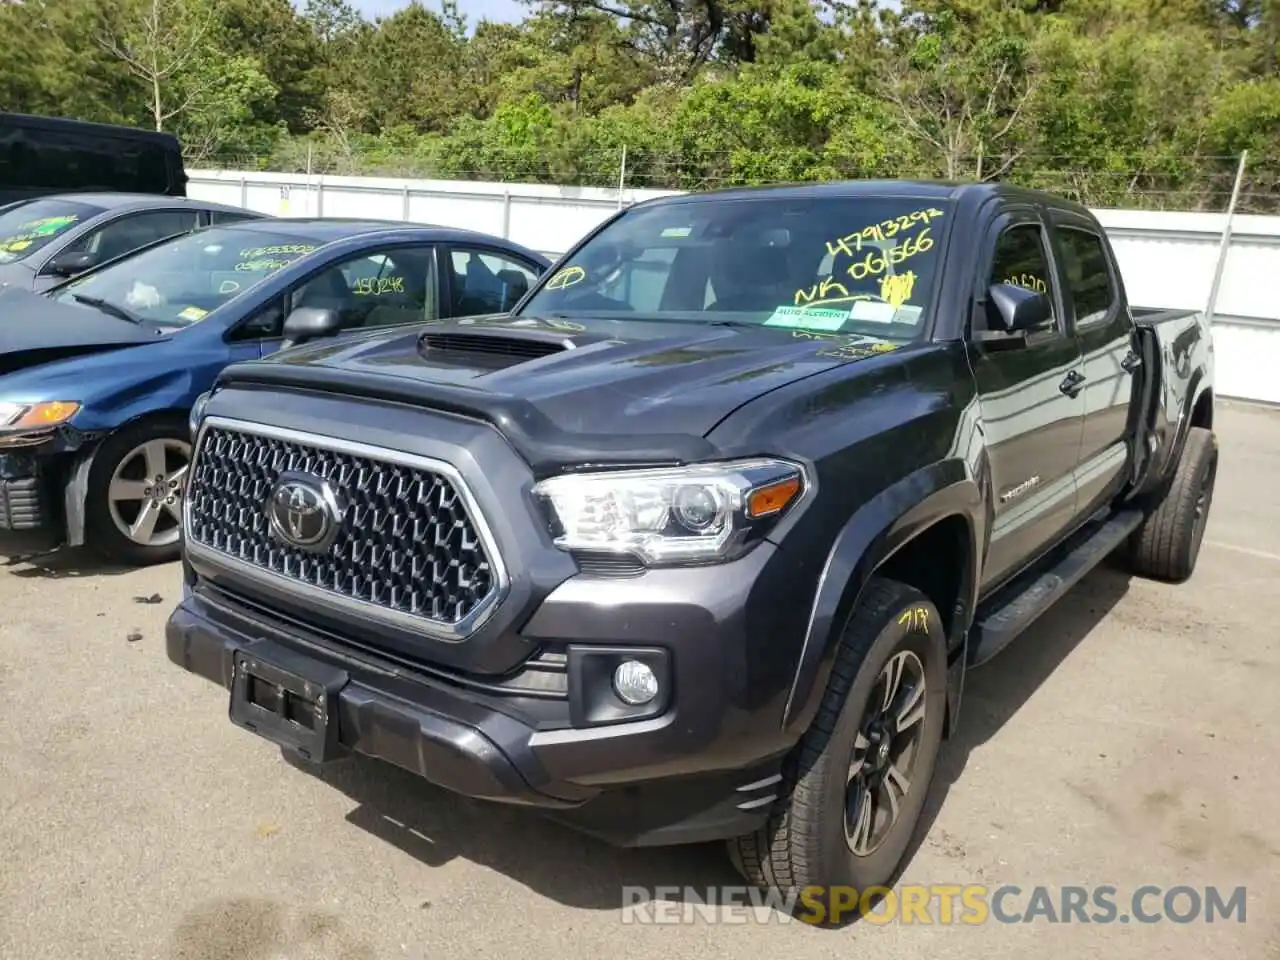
(799, 317)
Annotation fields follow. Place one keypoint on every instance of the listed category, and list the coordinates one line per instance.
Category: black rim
(885, 751)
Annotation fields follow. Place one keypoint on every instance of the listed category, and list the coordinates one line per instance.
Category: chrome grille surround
(414, 550)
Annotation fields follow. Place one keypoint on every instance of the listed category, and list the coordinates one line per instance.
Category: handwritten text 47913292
(884, 230)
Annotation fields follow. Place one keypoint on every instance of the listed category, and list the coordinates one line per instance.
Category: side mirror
(71, 263)
(310, 323)
(1014, 312)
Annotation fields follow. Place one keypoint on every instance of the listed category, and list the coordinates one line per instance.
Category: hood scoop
(528, 345)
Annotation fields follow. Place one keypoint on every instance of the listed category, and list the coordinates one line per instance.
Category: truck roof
(842, 189)
(90, 127)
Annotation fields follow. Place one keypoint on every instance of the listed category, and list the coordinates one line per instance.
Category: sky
(506, 11)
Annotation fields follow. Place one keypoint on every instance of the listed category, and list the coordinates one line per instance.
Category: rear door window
(484, 281)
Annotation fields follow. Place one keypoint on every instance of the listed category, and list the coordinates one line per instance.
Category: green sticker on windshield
(677, 231)
(193, 314)
(800, 318)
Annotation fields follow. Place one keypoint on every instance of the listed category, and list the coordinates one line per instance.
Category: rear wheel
(1167, 545)
(133, 505)
(855, 784)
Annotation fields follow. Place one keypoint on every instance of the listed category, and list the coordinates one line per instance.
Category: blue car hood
(29, 321)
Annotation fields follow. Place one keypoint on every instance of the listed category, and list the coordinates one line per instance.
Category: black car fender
(877, 530)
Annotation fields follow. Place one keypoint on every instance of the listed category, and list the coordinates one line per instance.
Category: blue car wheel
(133, 509)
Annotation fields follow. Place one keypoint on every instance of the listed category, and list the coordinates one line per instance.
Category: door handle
(1070, 384)
(1131, 362)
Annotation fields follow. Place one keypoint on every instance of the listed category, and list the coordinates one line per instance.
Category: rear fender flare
(880, 528)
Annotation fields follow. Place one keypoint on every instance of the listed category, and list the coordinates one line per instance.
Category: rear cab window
(860, 265)
(1086, 275)
(27, 227)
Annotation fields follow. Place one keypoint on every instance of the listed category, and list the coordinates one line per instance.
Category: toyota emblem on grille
(303, 512)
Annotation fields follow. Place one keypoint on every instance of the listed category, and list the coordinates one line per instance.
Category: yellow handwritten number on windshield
(877, 262)
(880, 231)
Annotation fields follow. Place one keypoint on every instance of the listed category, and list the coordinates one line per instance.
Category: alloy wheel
(885, 751)
(146, 489)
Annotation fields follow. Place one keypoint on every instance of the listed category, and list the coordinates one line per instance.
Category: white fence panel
(1168, 259)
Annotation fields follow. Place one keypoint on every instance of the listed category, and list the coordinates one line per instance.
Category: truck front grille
(406, 544)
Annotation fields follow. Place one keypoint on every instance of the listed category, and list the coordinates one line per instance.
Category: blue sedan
(97, 376)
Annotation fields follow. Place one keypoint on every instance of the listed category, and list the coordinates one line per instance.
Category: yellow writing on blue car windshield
(254, 253)
(266, 264)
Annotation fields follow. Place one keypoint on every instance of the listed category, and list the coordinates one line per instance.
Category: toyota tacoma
(701, 539)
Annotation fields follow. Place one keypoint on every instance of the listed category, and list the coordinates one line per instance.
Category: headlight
(197, 412)
(23, 416)
(696, 514)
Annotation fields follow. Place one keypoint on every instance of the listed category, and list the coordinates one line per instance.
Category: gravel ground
(1127, 740)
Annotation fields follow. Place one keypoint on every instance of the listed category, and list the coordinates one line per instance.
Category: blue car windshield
(863, 265)
(184, 279)
(26, 227)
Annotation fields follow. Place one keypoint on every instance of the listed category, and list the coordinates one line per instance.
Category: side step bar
(1017, 606)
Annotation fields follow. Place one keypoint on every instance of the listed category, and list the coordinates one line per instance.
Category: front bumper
(684, 776)
(30, 511)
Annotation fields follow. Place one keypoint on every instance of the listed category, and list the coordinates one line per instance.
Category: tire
(1167, 544)
(120, 466)
(805, 844)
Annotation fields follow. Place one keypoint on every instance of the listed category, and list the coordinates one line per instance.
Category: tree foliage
(1116, 102)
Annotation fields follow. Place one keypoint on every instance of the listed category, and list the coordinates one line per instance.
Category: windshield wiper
(106, 307)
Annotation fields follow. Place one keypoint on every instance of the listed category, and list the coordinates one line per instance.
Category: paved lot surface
(1130, 739)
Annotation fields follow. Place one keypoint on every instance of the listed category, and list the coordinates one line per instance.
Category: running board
(1017, 606)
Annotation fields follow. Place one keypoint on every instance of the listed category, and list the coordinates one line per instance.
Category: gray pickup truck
(701, 540)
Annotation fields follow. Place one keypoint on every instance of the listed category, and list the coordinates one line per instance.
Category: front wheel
(133, 505)
(855, 785)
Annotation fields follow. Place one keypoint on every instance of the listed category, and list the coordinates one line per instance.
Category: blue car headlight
(34, 416)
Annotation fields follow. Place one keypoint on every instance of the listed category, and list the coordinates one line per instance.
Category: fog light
(635, 683)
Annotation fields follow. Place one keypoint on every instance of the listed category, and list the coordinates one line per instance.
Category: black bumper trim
(449, 739)
(21, 505)
(449, 753)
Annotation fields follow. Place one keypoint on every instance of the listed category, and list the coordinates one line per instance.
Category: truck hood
(33, 327)
(606, 383)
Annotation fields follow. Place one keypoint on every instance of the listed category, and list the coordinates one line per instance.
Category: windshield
(26, 227)
(184, 279)
(849, 265)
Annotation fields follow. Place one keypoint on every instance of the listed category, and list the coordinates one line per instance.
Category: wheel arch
(902, 534)
(77, 486)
